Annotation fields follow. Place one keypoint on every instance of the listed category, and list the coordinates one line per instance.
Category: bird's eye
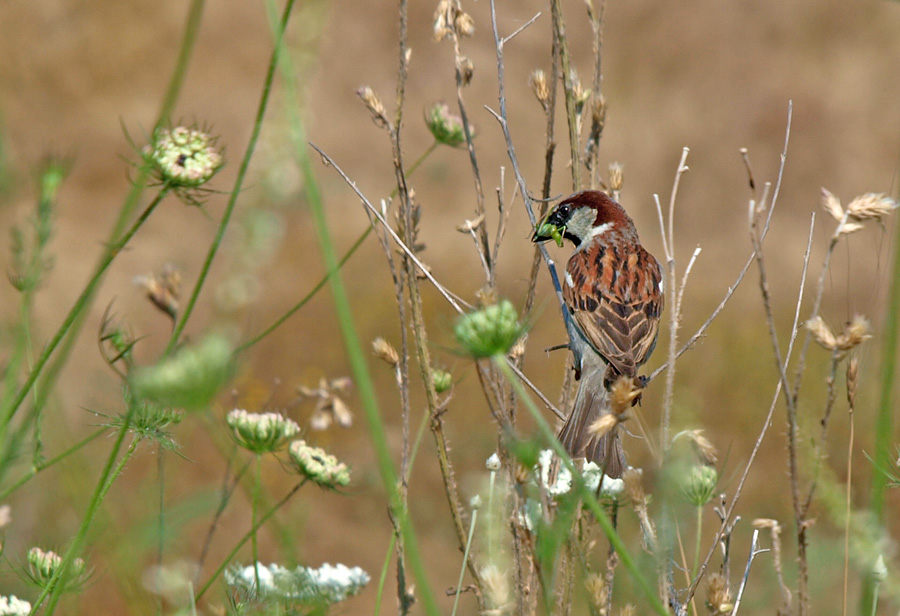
(564, 210)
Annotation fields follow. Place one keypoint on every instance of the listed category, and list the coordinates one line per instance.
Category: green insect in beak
(547, 230)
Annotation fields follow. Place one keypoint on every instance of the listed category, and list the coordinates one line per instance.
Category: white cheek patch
(662, 286)
(569, 280)
(600, 230)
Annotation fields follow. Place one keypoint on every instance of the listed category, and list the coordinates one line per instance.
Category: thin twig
(794, 332)
(454, 300)
(754, 551)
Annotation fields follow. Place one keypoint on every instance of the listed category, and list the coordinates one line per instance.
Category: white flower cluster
(261, 432)
(10, 606)
(184, 157)
(319, 465)
(326, 585)
(590, 472)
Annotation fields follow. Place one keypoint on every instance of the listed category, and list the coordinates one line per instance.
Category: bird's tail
(592, 403)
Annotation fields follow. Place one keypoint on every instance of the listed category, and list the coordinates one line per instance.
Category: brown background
(713, 76)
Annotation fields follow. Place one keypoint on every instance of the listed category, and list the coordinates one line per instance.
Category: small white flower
(563, 482)
(325, 585)
(592, 473)
(493, 463)
(10, 606)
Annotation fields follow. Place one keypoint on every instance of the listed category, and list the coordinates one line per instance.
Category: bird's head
(582, 217)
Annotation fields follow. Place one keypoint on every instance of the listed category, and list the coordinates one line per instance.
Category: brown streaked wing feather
(621, 329)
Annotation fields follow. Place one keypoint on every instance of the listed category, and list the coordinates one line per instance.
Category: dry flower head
(374, 105)
(598, 591)
(329, 405)
(385, 352)
(163, 289)
(541, 89)
(718, 595)
(706, 451)
(855, 334)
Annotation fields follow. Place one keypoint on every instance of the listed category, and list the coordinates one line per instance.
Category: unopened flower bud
(490, 331)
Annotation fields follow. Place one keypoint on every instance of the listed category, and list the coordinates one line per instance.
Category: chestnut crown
(582, 217)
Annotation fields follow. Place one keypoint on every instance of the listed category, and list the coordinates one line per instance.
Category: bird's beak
(549, 228)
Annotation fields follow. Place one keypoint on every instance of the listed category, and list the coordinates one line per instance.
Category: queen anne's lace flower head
(261, 432)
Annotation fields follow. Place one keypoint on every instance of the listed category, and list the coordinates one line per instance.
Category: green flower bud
(699, 486)
(446, 127)
(442, 381)
(489, 331)
(188, 379)
(43, 566)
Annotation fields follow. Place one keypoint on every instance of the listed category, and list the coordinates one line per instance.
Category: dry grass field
(709, 75)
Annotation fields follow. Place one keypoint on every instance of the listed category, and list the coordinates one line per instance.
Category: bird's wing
(617, 317)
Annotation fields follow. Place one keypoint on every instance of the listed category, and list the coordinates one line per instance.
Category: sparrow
(613, 292)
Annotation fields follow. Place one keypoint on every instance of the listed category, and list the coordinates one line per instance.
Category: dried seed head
(598, 591)
(832, 205)
(856, 333)
(162, 289)
(767, 524)
(385, 352)
(616, 176)
(705, 450)
(466, 69)
(850, 227)
(330, 408)
(603, 425)
(464, 24)
(629, 609)
(497, 590)
(622, 394)
(540, 88)
(718, 596)
(852, 381)
(518, 349)
(373, 104)
(822, 333)
(471, 226)
(598, 114)
(871, 206)
(443, 18)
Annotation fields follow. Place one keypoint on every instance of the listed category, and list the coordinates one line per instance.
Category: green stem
(257, 486)
(239, 182)
(47, 464)
(382, 579)
(109, 474)
(280, 321)
(697, 542)
(246, 538)
(359, 241)
(579, 486)
(462, 569)
(86, 295)
(364, 383)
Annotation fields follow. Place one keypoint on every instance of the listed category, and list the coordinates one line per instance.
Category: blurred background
(712, 76)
